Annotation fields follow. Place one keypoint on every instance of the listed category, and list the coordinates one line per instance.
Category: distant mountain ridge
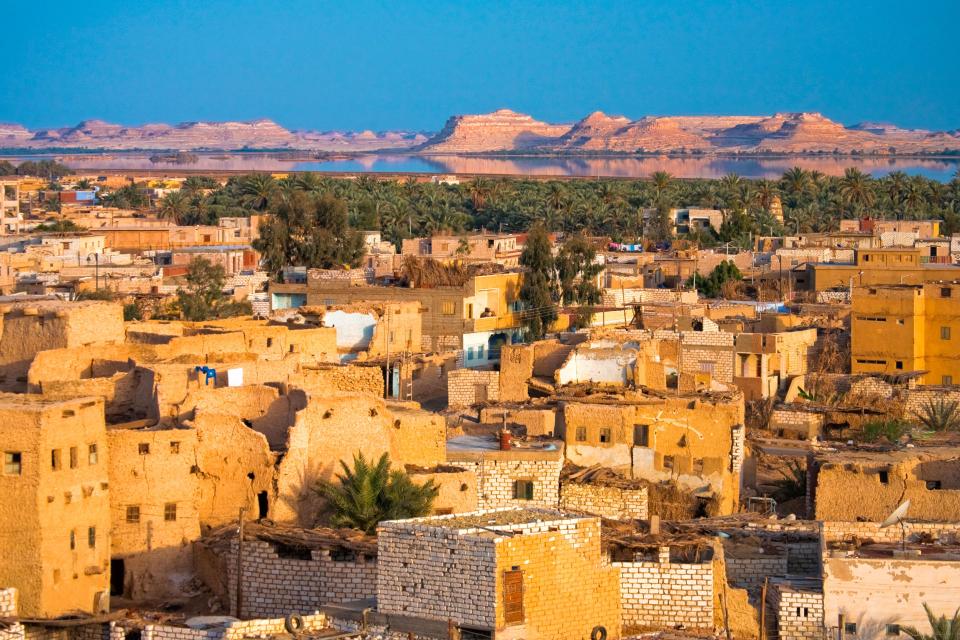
(505, 131)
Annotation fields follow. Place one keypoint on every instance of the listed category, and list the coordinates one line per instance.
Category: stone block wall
(738, 436)
(835, 531)
(278, 582)
(8, 603)
(665, 594)
(257, 628)
(749, 572)
(803, 558)
(608, 502)
(798, 612)
(435, 573)
(496, 481)
(918, 397)
(802, 423)
(463, 384)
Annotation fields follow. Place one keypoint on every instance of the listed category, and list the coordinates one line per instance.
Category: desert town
(211, 433)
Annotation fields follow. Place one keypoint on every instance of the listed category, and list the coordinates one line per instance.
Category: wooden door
(513, 597)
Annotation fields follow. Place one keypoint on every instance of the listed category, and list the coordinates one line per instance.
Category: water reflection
(689, 167)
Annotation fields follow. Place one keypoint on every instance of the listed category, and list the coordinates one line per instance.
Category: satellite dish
(897, 516)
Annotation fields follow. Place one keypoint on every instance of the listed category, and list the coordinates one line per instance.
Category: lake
(941, 169)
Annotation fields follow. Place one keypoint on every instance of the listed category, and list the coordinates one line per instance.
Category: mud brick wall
(665, 594)
(799, 613)
(434, 573)
(275, 585)
(462, 386)
(609, 502)
(496, 478)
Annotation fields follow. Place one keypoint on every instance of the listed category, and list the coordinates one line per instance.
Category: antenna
(897, 518)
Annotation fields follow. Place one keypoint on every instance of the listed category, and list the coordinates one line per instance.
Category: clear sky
(358, 64)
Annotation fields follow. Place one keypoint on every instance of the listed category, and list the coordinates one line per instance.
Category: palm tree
(856, 189)
(662, 186)
(766, 191)
(174, 206)
(256, 190)
(371, 493)
(943, 628)
(796, 183)
(479, 190)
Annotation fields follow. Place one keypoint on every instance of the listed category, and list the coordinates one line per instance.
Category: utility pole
(389, 377)
(240, 565)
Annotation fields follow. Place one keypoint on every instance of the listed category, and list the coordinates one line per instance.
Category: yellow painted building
(889, 266)
(900, 328)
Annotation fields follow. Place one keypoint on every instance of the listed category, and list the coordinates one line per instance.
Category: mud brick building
(506, 573)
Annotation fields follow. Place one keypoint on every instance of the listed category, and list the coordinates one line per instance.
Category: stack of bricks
(8, 609)
(798, 608)
(663, 594)
(469, 386)
(436, 573)
(274, 585)
(497, 478)
(615, 503)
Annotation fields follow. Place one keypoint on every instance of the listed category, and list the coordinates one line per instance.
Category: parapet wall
(608, 502)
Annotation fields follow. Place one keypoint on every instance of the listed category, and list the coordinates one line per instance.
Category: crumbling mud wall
(357, 379)
(154, 508)
(871, 487)
(457, 488)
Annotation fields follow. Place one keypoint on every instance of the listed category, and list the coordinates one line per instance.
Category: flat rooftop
(494, 521)
(488, 447)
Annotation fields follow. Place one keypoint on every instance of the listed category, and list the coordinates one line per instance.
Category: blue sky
(357, 64)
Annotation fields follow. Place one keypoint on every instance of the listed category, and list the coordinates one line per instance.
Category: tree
(309, 231)
(537, 290)
(203, 298)
(577, 272)
(712, 285)
(257, 190)
(856, 189)
(371, 493)
(943, 628)
(174, 206)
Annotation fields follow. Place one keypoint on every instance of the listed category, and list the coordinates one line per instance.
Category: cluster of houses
(160, 478)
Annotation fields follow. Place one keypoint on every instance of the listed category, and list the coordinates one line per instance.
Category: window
(73, 539)
(481, 352)
(944, 333)
(448, 308)
(605, 436)
(174, 447)
(513, 597)
(170, 511)
(850, 628)
(74, 457)
(946, 380)
(706, 367)
(12, 463)
(899, 364)
(55, 459)
(934, 485)
(133, 514)
(470, 353)
(641, 435)
(143, 448)
(894, 629)
(523, 490)
(581, 434)
(92, 537)
(945, 292)
(92, 454)
(668, 462)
